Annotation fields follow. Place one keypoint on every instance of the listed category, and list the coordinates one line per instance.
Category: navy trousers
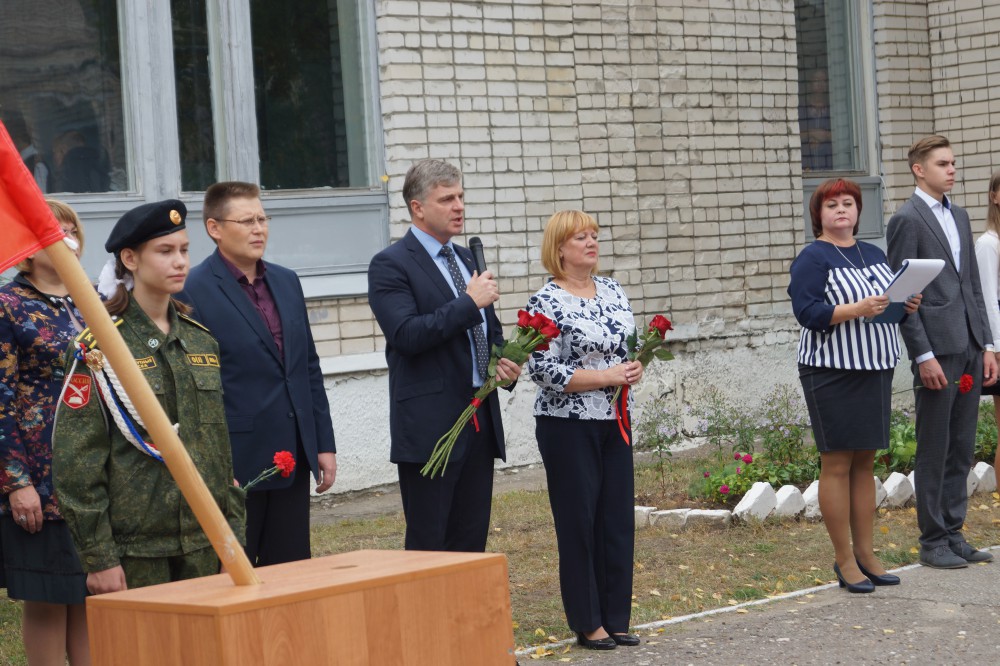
(591, 490)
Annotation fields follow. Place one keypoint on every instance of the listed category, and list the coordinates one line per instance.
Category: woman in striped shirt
(846, 365)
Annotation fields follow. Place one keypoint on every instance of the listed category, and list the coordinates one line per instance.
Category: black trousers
(452, 512)
(278, 520)
(589, 471)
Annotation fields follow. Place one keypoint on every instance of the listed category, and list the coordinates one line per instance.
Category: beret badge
(175, 217)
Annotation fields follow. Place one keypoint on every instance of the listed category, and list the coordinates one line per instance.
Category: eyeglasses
(249, 222)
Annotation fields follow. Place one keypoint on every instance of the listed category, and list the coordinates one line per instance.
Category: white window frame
(149, 102)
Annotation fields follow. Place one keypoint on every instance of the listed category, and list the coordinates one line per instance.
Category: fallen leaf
(857, 626)
(517, 625)
(682, 567)
(742, 610)
(892, 545)
(717, 595)
(888, 631)
(655, 593)
(553, 639)
(914, 551)
(732, 602)
(883, 529)
(539, 632)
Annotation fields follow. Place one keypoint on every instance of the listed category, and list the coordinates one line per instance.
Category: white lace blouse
(592, 335)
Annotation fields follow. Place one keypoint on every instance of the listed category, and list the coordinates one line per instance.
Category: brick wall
(673, 122)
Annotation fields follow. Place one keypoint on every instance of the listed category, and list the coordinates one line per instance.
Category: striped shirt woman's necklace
(871, 278)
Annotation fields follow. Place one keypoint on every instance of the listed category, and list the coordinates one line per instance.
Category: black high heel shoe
(629, 640)
(862, 587)
(876, 579)
(606, 643)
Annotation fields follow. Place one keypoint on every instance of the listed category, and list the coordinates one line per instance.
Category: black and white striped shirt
(824, 276)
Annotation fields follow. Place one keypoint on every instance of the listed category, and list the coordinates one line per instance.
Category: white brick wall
(674, 122)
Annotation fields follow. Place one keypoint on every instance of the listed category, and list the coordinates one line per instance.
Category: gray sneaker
(941, 557)
(970, 554)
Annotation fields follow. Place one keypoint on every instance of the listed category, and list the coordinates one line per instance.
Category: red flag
(26, 223)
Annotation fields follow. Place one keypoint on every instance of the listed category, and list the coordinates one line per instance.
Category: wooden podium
(367, 607)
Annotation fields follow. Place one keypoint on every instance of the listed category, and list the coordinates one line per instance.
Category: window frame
(149, 103)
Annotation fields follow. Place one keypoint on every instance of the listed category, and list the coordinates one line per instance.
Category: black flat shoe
(606, 643)
(877, 580)
(625, 639)
(863, 587)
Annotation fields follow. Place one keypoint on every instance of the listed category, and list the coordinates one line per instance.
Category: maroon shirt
(261, 298)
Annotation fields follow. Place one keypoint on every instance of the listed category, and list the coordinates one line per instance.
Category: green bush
(900, 455)
(780, 433)
(658, 430)
(986, 433)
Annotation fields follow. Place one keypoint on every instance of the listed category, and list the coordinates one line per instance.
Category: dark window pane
(299, 49)
(60, 92)
(829, 85)
(194, 94)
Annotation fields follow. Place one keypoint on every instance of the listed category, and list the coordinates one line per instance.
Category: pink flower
(739, 470)
(748, 458)
(737, 456)
(705, 474)
(724, 489)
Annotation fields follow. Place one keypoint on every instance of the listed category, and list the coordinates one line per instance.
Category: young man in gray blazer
(947, 338)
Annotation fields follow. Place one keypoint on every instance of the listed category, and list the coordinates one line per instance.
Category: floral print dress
(592, 334)
(35, 330)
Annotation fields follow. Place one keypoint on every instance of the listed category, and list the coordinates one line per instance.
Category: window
(303, 54)
(61, 92)
(139, 101)
(836, 101)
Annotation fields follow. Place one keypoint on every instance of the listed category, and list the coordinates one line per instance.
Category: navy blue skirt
(43, 566)
(849, 409)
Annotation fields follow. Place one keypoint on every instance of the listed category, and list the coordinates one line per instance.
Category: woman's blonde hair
(65, 215)
(993, 209)
(558, 229)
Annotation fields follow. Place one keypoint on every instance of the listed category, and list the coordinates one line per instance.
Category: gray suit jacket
(953, 305)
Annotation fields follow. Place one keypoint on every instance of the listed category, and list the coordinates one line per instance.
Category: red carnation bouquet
(284, 462)
(644, 349)
(533, 333)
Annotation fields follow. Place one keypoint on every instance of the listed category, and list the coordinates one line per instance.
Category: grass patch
(675, 573)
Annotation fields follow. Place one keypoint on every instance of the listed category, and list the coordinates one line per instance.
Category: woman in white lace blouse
(588, 463)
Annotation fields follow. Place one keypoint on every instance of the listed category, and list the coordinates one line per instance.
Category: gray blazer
(953, 305)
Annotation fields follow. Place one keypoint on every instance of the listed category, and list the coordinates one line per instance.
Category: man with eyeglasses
(273, 387)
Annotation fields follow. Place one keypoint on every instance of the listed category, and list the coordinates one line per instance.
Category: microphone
(478, 258)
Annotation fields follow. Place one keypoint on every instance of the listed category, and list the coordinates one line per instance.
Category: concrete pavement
(932, 617)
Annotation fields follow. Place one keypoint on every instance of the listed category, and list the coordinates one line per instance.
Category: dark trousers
(946, 439)
(452, 512)
(278, 520)
(588, 467)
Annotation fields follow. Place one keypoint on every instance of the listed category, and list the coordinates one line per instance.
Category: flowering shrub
(771, 443)
(731, 482)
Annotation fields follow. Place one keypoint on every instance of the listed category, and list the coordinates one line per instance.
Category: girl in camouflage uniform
(131, 525)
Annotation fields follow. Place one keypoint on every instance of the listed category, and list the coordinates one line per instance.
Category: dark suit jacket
(271, 403)
(427, 348)
(953, 304)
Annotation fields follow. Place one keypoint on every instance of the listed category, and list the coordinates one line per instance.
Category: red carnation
(965, 383)
(285, 463)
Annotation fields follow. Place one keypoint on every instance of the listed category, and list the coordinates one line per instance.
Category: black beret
(146, 222)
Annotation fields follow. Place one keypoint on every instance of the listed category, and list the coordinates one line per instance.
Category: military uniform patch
(77, 393)
(146, 363)
(204, 360)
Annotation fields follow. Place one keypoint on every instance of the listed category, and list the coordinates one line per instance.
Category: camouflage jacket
(117, 500)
